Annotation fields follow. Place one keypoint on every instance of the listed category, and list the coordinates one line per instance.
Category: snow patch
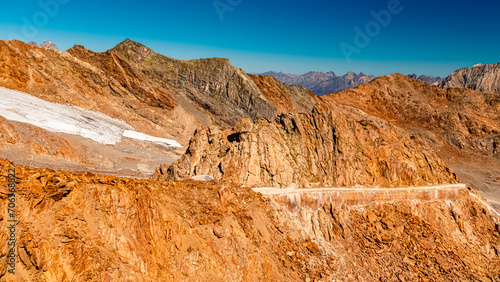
(22, 107)
(144, 137)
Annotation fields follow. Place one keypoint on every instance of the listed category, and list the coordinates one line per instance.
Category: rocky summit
(480, 77)
(238, 177)
(461, 125)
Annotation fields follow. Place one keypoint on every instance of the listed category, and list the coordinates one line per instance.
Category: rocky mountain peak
(47, 45)
(133, 50)
(480, 77)
(332, 74)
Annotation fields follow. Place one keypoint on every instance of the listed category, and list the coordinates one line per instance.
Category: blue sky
(423, 37)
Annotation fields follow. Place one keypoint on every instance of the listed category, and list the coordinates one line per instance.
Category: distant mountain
(480, 77)
(429, 79)
(323, 83)
(47, 45)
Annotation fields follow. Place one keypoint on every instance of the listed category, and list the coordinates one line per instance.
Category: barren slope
(462, 125)
(81, 226)
(480, 77)
(154, 94)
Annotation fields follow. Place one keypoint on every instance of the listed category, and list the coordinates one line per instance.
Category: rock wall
(329, 147)
(480, 77)
(407, 240)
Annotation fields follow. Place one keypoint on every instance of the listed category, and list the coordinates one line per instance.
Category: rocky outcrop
(405, 239)
(225, 94)
(285, 98)
(323, 83)
(49, 45)
(480, 77)
(85, 226)
(329, 147)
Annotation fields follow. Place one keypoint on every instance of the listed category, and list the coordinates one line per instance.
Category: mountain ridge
(458, 123)
(480, 77)
(323, 83)
(249, 130)
(161, 96)
(46, 45)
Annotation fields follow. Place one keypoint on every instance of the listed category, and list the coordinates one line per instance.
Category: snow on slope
(22, 107)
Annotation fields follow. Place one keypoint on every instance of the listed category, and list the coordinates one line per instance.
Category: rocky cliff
(323, 83)
(329, 147)
(480, 77)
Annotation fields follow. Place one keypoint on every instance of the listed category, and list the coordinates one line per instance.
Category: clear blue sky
(422, 36)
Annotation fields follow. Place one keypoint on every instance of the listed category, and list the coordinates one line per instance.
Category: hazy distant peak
(323, 83)
(429, 79)
(332, 74)
(47, 45)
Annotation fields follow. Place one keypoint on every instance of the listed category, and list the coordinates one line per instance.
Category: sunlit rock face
(330, 147)
(480, 77)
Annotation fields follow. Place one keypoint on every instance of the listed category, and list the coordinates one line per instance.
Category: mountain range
(429, 79)
(393, 150)
(323, 83)
(326, 83)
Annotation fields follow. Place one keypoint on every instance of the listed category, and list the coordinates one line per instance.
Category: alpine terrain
(128, 165)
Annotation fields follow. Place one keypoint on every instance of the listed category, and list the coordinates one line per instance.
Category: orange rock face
(330, 147)
(155, 94)
(461, 125)
(85, 226)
